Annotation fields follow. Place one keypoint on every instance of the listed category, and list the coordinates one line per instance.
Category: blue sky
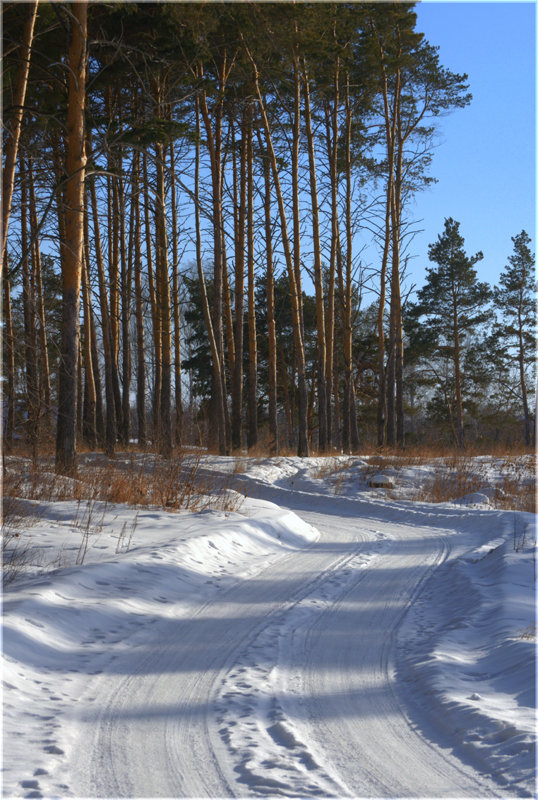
(485, 162)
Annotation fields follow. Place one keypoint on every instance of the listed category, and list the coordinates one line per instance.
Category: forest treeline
(187, 189)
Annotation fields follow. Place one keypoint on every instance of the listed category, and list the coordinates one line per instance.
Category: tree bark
(110, 417)
(296, 298)
(40, 303)
(240, 203)
(72, 250)
(271, 323)
(156, 395)
(178, 415)
(163, 305)
(13, 125)
(9, 362)
(252, 431)
(217, 364)
(139, 310)
(318, 277)
(30, 333)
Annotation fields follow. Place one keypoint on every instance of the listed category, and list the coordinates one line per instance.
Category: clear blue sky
(485, 162)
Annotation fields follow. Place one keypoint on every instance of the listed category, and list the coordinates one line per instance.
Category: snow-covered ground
(324, 639)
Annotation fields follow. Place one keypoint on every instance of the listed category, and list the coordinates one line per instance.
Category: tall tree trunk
(457, 376)
(163, 304)
(155, 318)
(9, 363)
(40, 302)
(13, 124)
(125, 293)
(296, 211)
(397, 294)
(350, 422)
(214, 142)
(72, 250)
(240, 203)
(99, 414)
(139, 309)
(318, 277)
(217, 364)
(252, 432)
(89, 427)
(295, 296)
(178, 416)
(271, 322)
(30, 333)
(332, 132)
(522, 382)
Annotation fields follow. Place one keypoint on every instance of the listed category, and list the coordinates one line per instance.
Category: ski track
(264, 692)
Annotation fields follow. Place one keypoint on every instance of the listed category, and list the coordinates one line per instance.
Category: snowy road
(301, 644)
(284, 684)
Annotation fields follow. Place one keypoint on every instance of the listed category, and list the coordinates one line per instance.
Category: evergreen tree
(451, 306)
(515, 298)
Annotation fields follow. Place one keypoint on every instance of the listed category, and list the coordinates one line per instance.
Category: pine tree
(515, 298)
(452, 304)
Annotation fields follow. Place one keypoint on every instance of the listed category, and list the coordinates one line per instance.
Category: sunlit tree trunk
(216, 362)
(72, 250)
(318, 277)
(30, 333)
(296, 298)
(252, 432)
(89, 427)
(13, 124)
(139, 309)
(44, 371)
(110, 417)
(178, 415)
(271, 323)
(155, 317)
(163, 305)
(240, 204)
(9, 363)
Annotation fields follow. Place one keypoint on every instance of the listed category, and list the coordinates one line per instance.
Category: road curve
(284, 684)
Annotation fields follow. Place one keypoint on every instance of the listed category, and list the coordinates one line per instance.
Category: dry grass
(17, 552)
(136, 480)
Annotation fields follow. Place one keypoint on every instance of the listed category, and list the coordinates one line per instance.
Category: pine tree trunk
(13, 125)
(139, 309)
(332, 131)
(155, 318)
(75, 163)
(89, 428)
(178, 416)
(125, 293)
(214, 142)
(271, 323)
(40, 303)
(163, 305)
(217, 385)
(350, 424)
(318, 277)
(30, 333)
(99, 414)
(296, 298)
(457, 376)
(398, 341)
(9, 363)
(252, 431)
(522, 382)
(240, 203)
(110, 418)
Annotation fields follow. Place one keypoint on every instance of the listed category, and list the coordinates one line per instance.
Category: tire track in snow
(268, 750)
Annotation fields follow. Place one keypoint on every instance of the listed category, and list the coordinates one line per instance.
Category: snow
(324, 639)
